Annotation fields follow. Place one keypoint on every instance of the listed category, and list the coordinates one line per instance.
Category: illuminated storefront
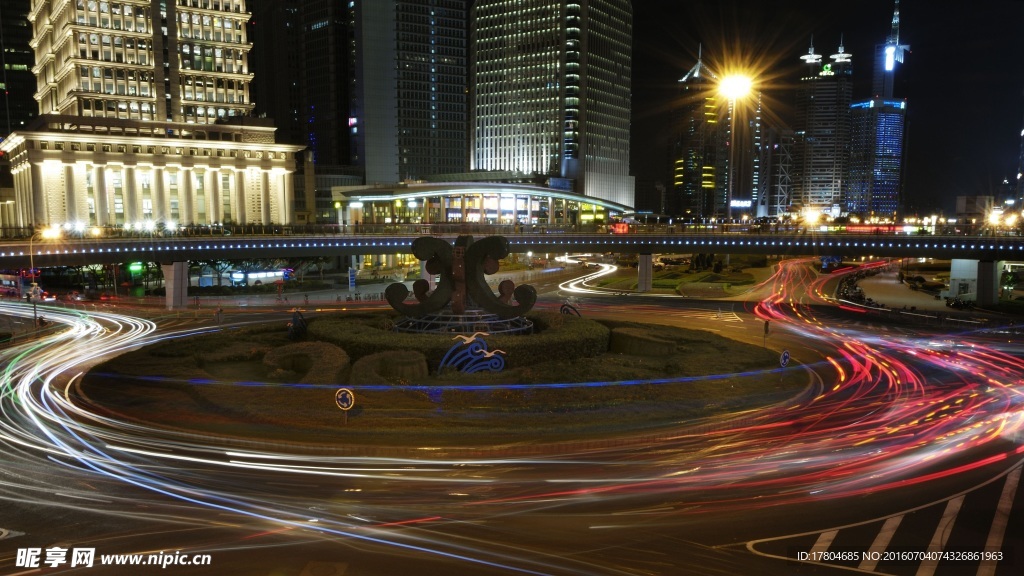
(496, 204)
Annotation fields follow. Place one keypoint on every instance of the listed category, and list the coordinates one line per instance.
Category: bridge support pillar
(645, 272)
(976, 280)
(176, 284)
(988, 282)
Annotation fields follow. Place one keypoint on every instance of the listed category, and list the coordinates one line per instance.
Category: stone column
(645, 272)
(70, 198)
(239, 204)
(39, 216)
(130, 195)
(185, 196)
(265, 197)
(213, 197)
(160, 210)
(288, 198)
(99, 186)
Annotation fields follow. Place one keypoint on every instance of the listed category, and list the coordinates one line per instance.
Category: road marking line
(824, 541)
(995, 535)
(881, 543)
(941, 535)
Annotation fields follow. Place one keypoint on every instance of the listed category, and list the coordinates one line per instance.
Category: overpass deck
(175, 248)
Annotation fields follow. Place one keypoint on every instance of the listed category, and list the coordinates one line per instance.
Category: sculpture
(462, 269)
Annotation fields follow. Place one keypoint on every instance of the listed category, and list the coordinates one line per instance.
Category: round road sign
(784, 359)
(345, 398)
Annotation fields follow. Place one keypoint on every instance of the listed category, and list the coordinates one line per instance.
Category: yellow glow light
(735, 86)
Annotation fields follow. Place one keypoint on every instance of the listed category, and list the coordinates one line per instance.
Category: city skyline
(963, 144)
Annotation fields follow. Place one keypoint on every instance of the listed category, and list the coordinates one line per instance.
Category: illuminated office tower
(408, 115)
(823, 131)
(17, 83)
(1020, 172)
(144, 120)
(878, 135)
(700, 156)
(550, 83)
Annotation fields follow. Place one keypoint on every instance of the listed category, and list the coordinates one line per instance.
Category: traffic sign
(345, 399)
(351, 279)
(784, 359)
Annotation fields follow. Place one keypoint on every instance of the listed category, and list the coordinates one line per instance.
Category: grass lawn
(218, 383)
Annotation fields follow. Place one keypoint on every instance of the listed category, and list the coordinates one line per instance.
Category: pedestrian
(219, 315)
(197, 302)
(306, 298)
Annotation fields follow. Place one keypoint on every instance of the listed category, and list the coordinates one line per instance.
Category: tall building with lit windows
(822, 130)
(878, 134)
(408, 109)
(145, 120)
(700, 156)
(550, 83)
(17, 84)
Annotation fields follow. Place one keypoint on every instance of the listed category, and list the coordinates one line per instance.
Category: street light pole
(732, 87)
(47, 234)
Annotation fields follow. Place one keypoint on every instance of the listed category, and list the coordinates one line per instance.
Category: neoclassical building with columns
(126, 174)
(144, 120)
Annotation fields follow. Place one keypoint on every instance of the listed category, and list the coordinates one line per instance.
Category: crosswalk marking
(824, 541)
(995, 535)
(881, 543)
(941, 534)
(894, 532)
(723, 315)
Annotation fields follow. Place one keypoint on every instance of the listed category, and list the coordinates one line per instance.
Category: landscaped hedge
(556, 337)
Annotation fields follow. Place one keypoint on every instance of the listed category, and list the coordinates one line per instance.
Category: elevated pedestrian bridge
(975, 259)
(80, 251)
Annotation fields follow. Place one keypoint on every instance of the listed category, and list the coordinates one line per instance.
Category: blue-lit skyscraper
(877, 137)
(876, 158)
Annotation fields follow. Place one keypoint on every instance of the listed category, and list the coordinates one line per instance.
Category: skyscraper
(408, 115)
(144, 120)
(551, 91)
(877, 137)
(823, 131)
(1020, 172)
(700, 155)
(17, 83)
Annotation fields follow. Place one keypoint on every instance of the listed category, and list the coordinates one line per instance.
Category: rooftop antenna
(811, 58)
(698, 69)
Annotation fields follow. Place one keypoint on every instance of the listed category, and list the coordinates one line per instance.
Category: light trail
(896, 412)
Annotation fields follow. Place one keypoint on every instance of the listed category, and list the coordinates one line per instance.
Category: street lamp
(733, 87)
(50, 233)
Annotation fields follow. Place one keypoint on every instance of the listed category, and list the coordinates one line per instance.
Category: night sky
(963, 78)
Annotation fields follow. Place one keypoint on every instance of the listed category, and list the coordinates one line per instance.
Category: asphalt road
(905, 443)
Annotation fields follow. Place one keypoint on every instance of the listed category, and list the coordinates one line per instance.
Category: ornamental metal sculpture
(461, 269)
(470, 354)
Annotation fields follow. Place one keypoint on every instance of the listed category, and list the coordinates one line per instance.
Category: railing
(453, 228)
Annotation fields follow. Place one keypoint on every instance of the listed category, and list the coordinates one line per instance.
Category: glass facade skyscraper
(17, 83)
(876, 157)
(878, 135)
(551, 91)
(408, 111)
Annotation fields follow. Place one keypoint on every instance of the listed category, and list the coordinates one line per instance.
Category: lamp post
(47, 234)
(733, 87)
